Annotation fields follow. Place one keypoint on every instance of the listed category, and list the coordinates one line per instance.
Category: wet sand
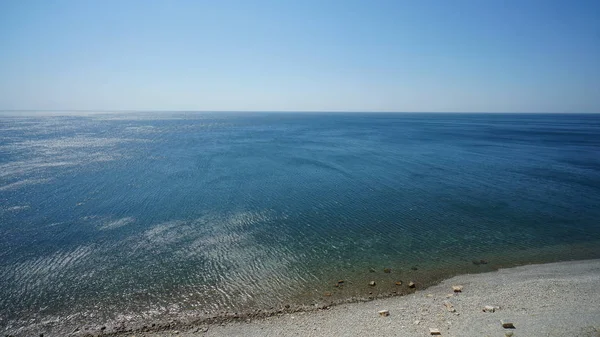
(555, 299)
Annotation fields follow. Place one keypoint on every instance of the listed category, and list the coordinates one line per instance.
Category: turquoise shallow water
(151, 215)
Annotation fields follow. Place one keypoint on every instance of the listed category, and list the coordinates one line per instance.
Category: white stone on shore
(434, 331)
(384, 313)
(489, 308)
(457, 288)
(449, 306)
(507, 324)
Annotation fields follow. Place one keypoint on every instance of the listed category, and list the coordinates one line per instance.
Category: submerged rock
(387, 270)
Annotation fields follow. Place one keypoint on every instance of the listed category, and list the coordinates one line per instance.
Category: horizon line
(284, 111)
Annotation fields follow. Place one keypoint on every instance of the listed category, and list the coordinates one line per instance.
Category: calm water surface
(133, 217)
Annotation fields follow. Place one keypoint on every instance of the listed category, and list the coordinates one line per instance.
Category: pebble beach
(555, 299)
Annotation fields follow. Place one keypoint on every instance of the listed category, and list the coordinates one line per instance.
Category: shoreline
(552, 299)
(511, 289)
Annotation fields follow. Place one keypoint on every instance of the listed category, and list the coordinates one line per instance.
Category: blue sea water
(139, 216)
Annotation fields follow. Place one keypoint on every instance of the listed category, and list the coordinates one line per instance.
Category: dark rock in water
(287, 306)
(483, 262)
(387, 270)
(103, 328)
(476, 262)
(414, 268)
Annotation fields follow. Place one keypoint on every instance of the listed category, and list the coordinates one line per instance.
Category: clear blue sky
(315, 55)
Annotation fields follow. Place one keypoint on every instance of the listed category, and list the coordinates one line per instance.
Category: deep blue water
(136, 216)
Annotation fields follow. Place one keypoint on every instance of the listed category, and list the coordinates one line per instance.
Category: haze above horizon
(267, 55)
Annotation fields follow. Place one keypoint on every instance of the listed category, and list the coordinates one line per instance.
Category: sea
(122, 220)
